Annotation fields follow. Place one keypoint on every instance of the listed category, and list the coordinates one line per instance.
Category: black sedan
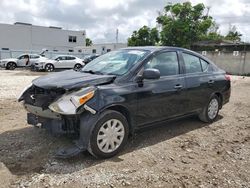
(89, 58)
(123, 91)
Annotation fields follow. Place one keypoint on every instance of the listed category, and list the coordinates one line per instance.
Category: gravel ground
(184, 153)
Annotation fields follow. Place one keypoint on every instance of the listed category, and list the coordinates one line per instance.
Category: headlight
(68, 104)
(3, 62)
(25, 89)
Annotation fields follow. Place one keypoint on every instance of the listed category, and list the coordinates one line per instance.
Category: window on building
(72, 39)
(192, 63)
(94, 51)
(166, 62)
(5, 49)
(108, 50)
(70, 50)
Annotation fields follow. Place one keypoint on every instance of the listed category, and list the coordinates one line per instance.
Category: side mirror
(151, 74)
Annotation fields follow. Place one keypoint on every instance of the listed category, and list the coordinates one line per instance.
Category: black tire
(49, 67)
(106, 116)
(11, 66)
(204, 115)
(77, 67)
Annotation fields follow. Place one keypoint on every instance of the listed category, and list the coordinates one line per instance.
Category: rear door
(34, 58)
(71, 61)
(165, 97)
(199, 81)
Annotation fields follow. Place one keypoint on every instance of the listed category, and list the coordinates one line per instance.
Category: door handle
(210, 82)
(178, 86)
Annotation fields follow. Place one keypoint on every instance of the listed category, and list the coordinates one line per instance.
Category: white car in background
(24, 60)
(59, 62)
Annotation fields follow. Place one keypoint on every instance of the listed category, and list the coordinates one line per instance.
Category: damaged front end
(65, 103)
(57, 109)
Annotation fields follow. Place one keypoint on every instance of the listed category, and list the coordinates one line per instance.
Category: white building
(24, 36)
(100, 48)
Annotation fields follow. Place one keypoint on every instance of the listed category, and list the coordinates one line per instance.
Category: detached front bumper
(38, 111)
(51, 121)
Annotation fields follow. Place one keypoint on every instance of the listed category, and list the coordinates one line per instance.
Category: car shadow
(29, 150)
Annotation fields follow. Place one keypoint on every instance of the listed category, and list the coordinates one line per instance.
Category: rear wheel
(77, 67)
(49, 68)
(109, 135)
(11, 66)
(211, 110)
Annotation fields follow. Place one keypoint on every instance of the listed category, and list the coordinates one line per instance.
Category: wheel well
(48, 64)
(11, 62)
(124, 111)
(220, 97)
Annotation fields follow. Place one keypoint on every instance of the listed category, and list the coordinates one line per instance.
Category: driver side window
(166, 63)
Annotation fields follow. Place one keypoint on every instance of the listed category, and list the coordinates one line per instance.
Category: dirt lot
(185, 153)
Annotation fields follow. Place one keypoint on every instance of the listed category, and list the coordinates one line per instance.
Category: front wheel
(11, 66)
(211, 110)
(49, 68)
(109, 135)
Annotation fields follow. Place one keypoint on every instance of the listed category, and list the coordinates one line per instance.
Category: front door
(163, 98)
(61, 62)
(23, 60)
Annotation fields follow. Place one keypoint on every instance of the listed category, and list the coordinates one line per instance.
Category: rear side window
(34, 56)
(166, 63)
(204, 65)
(192, 63)
(70, 58)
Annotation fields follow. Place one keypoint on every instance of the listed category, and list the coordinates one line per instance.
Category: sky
(101, 18)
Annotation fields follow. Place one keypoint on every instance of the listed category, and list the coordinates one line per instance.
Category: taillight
(228, 77)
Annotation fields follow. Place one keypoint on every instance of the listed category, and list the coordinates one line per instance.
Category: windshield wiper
(92, 72)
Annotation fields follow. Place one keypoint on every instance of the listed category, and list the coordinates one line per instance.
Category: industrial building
(100, 48)
(28, 37)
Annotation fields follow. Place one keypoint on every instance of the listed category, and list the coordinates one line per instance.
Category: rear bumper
(226, 96)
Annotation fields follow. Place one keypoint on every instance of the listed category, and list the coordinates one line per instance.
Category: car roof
(64, 56)
(153, 48)
(160, 48)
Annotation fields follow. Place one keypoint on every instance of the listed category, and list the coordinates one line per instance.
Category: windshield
(115, 62)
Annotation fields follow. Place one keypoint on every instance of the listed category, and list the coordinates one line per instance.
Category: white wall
(29, 37)
(100, 48)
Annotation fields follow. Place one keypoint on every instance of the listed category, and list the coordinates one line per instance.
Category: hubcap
(11, 66)
(77, 67)
(213, 108)
(49, 68)
(110, 135)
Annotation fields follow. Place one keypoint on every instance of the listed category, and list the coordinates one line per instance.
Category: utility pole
(116, 37)
(208, 9)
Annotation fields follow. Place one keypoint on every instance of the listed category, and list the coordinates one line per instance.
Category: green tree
(144, 37)
(233, 36)
(212, 34)
(182, 24)
(88, 42)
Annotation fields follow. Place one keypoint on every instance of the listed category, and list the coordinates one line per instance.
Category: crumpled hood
(71, 79)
